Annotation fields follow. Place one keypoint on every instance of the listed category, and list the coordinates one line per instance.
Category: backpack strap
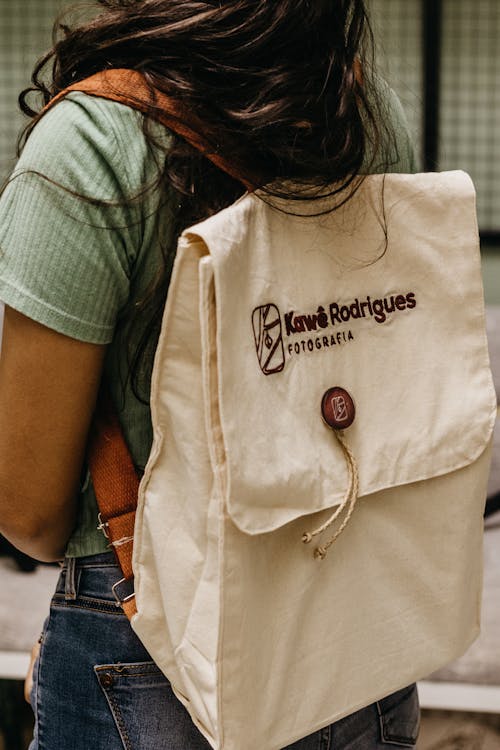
(131, 88)
(114, 477)
(116, 487)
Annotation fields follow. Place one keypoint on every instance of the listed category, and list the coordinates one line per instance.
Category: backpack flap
(383, 298)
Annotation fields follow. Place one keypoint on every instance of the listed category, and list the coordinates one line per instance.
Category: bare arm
(48, 388)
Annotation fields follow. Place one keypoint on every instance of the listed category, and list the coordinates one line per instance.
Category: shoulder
(73, 236)
(93, 145)
(397, 153)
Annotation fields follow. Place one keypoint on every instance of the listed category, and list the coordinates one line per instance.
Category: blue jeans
(96, 687)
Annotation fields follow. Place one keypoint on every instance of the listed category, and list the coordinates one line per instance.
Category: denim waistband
(90, 576)
(102, 558)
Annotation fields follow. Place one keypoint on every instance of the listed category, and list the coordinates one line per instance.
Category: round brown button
(337, 408)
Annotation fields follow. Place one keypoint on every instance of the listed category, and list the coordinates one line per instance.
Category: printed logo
(339, 406)
(268, 335)
(329, 326)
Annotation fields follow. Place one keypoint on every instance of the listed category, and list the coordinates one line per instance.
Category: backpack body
(263, 642)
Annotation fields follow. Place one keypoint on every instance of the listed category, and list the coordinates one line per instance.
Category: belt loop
(70, 583)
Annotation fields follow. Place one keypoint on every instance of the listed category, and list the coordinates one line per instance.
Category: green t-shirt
(78, 267)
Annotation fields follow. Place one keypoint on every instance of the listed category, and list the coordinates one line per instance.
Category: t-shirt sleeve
(403, 157)
(398, 150)
(70, 229)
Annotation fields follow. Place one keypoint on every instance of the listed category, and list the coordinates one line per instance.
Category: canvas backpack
(308, 532)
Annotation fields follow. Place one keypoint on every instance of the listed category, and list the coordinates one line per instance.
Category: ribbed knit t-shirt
(79, 266)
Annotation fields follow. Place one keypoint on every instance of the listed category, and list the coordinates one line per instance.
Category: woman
(88, 227)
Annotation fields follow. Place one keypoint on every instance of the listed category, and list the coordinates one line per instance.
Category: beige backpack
(287, 573)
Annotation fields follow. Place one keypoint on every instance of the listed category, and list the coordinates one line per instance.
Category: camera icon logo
(268, 335)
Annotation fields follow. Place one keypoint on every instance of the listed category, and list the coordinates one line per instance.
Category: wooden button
(337, 408)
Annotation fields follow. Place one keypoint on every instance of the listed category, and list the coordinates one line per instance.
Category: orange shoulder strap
(130, 87)
(113, 474)
(116, 486)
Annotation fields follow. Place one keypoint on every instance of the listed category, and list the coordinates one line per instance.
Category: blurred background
(443, 59)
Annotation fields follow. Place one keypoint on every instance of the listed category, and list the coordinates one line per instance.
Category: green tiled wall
(470, 96)
(470, 99)
(25, 33)
(397, 27)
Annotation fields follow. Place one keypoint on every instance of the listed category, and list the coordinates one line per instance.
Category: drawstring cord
(348, 503)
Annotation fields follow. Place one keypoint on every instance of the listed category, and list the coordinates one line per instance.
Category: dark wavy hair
(284, 86)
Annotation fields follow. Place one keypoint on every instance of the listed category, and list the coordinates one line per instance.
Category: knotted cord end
(350, 498)
(320, 553)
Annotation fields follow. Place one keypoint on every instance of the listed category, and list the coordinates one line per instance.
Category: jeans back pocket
(399, 716)
(146, 712)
